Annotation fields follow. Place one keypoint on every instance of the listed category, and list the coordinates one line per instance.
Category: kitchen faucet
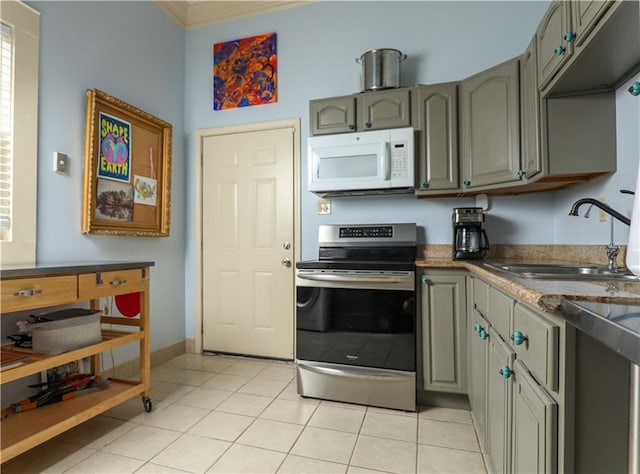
(612, 212)
(612, 250)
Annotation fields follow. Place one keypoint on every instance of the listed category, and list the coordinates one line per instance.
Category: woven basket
(68, 329)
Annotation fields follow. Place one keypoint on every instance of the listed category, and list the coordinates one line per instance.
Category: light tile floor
(239, 415)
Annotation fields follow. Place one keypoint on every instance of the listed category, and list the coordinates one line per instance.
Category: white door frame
(293, 123)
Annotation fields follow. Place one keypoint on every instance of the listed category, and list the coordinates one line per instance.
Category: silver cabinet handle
(31, 292)
(286, 262)
(118, 282)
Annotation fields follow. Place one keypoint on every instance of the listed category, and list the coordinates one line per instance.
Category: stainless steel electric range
(356, 316)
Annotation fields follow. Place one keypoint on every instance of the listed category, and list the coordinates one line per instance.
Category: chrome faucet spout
(612, 212)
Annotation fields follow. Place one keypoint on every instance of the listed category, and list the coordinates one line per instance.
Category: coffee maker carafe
(469, 238)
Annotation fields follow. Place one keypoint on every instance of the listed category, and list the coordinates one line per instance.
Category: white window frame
(25, 24)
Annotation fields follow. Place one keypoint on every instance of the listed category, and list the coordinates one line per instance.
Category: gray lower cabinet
(490, 126)
(535, 340)
(434, 112)
(535, 421)
(478, 334)
(499, 391)
(513, 367)
(444, 322)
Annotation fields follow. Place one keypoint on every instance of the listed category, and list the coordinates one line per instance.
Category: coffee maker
(469, 238)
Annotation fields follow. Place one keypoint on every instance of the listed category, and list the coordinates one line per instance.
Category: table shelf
(22, 431)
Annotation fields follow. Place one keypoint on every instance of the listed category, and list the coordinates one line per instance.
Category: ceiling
(195, 13)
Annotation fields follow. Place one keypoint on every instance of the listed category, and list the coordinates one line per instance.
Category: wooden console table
(40, 286)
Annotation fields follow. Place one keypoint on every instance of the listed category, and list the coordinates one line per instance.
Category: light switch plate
(60, 162)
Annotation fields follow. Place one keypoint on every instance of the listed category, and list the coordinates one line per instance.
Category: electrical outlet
(324, 206)
(603, 216)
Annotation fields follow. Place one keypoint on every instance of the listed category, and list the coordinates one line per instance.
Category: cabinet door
(435, 116)
(534, 447)
(478, 335)
(384, 109)
(531, 160)
(584, 15)
(499, 389)
(332, 115)
(490, 108)
(553, 49)
(535, 340)
(480, 296)
(443, 332)
(500, 312)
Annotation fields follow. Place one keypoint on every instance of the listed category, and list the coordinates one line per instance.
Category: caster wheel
(148, 404)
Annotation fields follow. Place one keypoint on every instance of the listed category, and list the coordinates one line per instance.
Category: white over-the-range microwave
(376, 162)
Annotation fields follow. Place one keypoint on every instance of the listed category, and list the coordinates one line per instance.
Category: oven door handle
(354, 278)
(352, 373)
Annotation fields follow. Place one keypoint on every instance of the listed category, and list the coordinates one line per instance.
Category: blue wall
(444, 41)
(134, 52)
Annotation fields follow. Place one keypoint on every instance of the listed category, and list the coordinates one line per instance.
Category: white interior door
(247, 243)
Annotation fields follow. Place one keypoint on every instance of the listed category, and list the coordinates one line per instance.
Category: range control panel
(366, 232)
(365, 235)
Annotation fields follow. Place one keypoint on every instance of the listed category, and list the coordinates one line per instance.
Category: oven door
(357, 318)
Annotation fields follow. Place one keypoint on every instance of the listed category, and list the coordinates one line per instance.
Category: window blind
(6, 129)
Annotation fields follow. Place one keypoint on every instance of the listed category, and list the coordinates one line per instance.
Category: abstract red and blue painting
(245, 72)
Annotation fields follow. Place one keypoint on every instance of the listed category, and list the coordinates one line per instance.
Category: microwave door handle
(387, 161)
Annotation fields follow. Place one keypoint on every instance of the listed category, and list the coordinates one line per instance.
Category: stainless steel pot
(381, 69)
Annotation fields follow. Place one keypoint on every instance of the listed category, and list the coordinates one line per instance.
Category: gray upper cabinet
(555, 40)
(360, 112)
(384, 109)
(534, 435)
(435, 118)
(443, 307)
(531, 159)
(606, 47)
(490, 126)
(584, 15)
(332, 115)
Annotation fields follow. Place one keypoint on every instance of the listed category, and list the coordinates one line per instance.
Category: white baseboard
(130, 368)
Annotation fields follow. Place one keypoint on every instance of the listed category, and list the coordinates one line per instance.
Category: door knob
(286, 262)
(286, 245)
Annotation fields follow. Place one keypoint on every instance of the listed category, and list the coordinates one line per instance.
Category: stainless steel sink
(563, 271)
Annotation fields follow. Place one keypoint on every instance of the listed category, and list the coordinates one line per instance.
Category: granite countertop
(48, 269)
(546, 295)
(608, 312)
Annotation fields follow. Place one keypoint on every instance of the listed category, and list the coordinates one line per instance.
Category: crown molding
(194, 14)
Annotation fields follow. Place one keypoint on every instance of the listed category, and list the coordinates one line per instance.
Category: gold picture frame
(127, 169)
